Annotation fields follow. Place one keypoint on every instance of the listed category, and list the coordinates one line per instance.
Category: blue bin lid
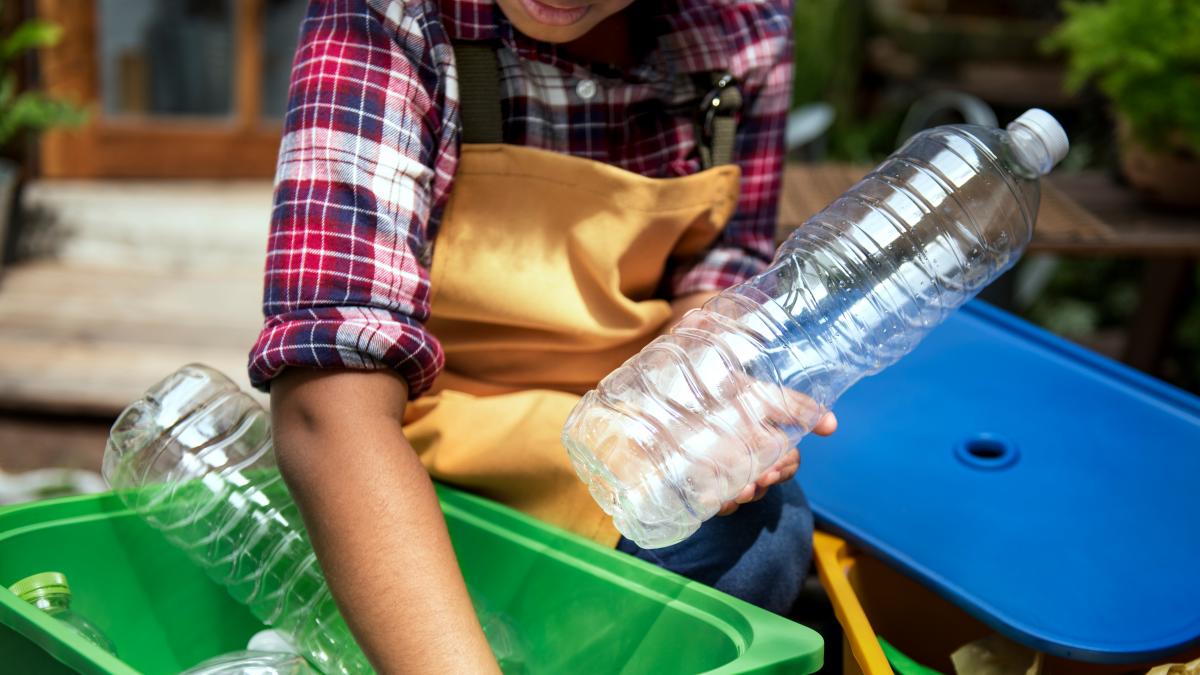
(1050, 492)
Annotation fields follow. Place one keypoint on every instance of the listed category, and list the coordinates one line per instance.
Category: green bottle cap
(40, 585)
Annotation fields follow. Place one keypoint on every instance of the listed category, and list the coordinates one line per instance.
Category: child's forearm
(374, 520)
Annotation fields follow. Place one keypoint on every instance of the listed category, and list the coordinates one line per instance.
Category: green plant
(1145, 56)
(33, 111)
(830, 44)
(828, 47)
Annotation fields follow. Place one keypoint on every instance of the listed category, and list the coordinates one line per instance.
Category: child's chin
(545, 32)
(553, 34)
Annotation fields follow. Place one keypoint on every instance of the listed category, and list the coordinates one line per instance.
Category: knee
(760, 554)
(770, 571)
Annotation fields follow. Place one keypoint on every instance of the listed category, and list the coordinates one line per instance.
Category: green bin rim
(766, 642)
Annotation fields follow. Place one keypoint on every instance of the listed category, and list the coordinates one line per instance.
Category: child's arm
(365, 162)
(374, 520)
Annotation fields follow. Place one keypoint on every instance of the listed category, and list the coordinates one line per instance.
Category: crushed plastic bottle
(50, 592)
(194, 457)
(684, 425)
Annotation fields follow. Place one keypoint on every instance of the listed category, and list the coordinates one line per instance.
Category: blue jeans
(759, 554)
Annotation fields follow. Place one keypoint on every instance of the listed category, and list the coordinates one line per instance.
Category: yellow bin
(870, 598)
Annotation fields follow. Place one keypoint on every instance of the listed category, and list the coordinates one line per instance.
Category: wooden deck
(147, 277)
(87, 340)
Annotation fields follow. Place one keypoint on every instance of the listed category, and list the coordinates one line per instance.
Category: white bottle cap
(1048, 131)
(272, 640)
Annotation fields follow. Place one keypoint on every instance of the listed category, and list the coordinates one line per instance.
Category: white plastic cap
(1048, 131)
(272, 640)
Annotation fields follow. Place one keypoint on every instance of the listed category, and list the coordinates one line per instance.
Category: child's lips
(553, 16)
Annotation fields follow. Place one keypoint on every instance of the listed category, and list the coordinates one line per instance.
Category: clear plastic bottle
(252, 662)
(194, 457)
(698, 414)
(50, 592)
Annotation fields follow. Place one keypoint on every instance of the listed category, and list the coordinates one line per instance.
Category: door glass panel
(166, 57)
(281, 30)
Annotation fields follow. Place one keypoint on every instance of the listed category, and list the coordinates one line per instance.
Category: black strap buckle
(723, 100)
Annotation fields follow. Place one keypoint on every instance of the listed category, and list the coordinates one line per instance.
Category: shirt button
(585, 89)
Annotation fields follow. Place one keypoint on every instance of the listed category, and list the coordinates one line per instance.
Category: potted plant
(1144, 55)
(21, 113)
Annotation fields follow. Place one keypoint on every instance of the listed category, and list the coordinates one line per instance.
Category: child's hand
(787, 465)
(783, 470)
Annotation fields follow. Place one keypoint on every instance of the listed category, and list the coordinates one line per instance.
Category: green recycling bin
(578, 607)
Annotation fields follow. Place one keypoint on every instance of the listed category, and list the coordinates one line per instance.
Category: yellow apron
(543, 277)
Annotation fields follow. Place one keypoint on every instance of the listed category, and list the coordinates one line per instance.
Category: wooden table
(1082, 215)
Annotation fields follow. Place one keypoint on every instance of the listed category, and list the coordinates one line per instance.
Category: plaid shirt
(371, 143)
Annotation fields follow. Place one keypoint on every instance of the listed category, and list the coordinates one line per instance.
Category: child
(452, 263)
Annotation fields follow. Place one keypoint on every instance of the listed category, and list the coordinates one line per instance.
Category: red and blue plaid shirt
(371, 144)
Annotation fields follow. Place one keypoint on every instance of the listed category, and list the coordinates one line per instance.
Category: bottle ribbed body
(194, 457)
(684, 425)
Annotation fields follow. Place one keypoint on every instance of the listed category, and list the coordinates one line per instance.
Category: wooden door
(175, 88)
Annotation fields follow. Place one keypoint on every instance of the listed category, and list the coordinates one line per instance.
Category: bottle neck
(1031, 152)
(52, 602)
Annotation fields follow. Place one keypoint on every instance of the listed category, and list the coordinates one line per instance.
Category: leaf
(8, 88)
(1145, 56)
(33, 111)
(31, 34)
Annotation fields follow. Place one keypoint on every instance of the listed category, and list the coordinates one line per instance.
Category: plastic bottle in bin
(50, 592)
(698, 414)
(252, 662)
(194, 457)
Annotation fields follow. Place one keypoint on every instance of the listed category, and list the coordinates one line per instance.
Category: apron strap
(479, 92)
(482, 121)
(718, 124)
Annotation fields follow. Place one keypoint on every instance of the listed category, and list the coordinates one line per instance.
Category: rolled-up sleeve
(364, 163)
(762, 33)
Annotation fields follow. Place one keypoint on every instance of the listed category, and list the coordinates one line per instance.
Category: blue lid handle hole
(986, 451)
